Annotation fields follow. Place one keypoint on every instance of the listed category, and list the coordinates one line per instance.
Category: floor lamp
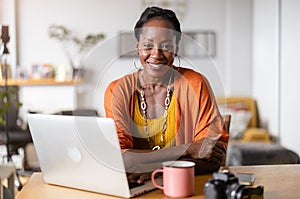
(5, 39)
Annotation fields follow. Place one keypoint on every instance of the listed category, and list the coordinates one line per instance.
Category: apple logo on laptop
(74, 154)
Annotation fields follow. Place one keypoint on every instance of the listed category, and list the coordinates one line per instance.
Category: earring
(134, 63)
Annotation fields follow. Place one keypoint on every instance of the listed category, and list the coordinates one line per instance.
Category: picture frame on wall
(198, 44)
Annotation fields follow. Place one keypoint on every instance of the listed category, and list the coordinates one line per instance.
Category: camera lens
(237, 191)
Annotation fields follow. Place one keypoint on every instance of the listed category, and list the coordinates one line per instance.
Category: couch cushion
(257, 153)
(240, 118)
(245, 103)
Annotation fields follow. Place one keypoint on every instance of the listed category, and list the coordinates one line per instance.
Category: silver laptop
(83, 153)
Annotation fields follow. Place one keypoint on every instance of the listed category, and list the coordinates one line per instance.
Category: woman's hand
(207, 148)
(141, 172)
(138, 177)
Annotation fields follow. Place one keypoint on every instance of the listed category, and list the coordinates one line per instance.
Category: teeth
(155, 65)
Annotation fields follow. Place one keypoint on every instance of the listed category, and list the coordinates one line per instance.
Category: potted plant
(8, 100)
(74, 47)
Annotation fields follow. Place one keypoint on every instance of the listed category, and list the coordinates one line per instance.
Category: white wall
(82, 17)
(265, 62)
(275, 67)
(238, 47)
(289, 69)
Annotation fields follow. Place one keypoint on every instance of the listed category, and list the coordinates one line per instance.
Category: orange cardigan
(196, 111)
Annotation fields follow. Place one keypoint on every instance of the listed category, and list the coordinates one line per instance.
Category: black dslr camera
(225, 185)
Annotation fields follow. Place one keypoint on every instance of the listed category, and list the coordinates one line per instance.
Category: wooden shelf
(39, 82)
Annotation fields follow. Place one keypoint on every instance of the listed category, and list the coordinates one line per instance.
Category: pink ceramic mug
(178, 178)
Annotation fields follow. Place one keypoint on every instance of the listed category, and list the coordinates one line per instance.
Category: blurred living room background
(254, 57)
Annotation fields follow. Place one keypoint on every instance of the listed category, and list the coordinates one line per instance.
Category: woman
(163, 112)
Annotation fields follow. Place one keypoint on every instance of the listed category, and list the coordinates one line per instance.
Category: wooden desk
(279, 181)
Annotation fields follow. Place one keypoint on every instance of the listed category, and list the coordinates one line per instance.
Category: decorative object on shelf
(75, 48)
(42, 71)
(2, 71)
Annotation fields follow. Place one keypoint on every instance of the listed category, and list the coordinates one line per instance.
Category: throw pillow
(240, 118)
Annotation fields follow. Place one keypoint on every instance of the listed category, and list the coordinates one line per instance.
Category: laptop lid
(80, 152)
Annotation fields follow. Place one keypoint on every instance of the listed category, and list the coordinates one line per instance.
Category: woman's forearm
(149, 156)
(142, 161)
(139, 157)
(206, 154)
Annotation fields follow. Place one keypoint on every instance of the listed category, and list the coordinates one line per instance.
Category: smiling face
(156, 48)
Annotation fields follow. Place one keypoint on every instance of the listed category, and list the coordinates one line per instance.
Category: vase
(78, 73)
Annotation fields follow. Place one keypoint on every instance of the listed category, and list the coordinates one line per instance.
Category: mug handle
(153, 178)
